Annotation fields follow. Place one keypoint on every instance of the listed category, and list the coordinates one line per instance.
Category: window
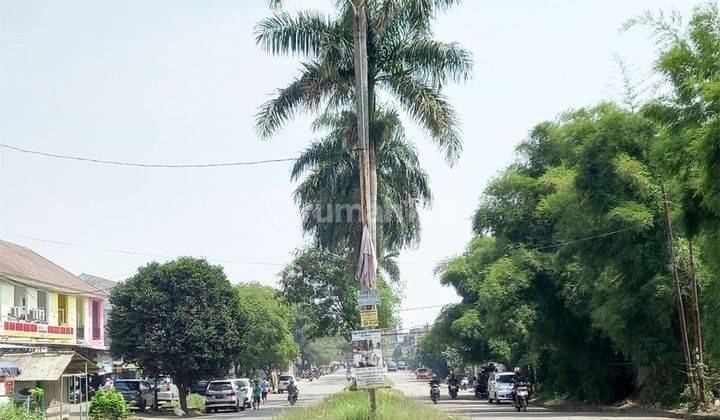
(95, 320)
(42, 302)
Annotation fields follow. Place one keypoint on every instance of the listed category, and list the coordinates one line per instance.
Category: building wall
(7, 298)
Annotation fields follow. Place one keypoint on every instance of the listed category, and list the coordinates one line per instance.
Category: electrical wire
(145, 165)
(139, 253)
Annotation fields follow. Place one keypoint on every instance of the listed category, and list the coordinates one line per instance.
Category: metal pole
(87, 393)
(678, 294)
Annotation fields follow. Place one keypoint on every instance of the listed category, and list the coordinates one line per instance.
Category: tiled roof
(104, 285)
(16, 260)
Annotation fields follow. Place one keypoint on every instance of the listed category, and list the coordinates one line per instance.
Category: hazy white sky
(180, 81)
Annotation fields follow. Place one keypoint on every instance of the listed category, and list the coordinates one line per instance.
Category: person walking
(256, 393)
(265, 388)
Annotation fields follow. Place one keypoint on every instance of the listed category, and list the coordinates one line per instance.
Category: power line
(139, 253)
(145, 165)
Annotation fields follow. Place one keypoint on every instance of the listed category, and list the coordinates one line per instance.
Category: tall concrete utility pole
(363, 127)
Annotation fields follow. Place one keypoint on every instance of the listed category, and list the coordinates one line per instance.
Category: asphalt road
(310, 393)
(466, 406)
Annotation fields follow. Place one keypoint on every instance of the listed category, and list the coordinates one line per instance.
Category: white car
(244, 384)
(223, 395)
(284, 381)
(500, 386)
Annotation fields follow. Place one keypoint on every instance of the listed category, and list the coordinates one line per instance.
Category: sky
(180, 82)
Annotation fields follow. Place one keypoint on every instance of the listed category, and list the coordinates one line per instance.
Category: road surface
(310, 393)
(466, 406)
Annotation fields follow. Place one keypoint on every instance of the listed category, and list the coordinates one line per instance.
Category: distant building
(43, 306)
(105, 286)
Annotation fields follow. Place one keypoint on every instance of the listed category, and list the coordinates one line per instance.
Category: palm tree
(404, 61)
(332, 181)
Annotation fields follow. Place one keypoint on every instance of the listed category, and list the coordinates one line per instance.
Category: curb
(634, 410)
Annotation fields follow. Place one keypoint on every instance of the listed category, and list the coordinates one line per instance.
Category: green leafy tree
(326, 297)
(178, 318)
(266, 341)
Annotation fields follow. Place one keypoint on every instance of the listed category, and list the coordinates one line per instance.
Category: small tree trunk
(182, 393)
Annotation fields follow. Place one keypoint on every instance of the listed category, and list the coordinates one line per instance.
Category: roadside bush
(12, 412)
(108, 405)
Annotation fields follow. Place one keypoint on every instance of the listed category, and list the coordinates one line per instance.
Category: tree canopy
(179, 318)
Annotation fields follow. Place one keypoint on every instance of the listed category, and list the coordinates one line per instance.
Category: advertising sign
(369, 318)
(370, 377)
(369, 297)
(367, 359)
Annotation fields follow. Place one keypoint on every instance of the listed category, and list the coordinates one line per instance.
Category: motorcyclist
(434, 380)
(291, 387)
(520, 380)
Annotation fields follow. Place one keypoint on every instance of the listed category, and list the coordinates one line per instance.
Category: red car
(422, 373)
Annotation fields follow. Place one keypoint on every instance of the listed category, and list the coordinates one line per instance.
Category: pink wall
(100, 342)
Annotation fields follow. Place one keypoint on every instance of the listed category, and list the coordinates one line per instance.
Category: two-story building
(46, 307)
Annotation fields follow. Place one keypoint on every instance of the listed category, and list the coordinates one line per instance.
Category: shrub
(11, 412)
(108, 405)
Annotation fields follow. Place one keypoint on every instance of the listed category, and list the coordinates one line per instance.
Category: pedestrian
(256, 393)
(265, 387)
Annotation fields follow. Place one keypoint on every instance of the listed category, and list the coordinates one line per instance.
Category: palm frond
(434, 61)
(283, 34)
(316, 83)
(429, 108)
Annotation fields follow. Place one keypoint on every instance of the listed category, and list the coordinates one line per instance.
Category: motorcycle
(481, 389)
(293, 396)
(434, 392)
(453, 390)
(520, 393)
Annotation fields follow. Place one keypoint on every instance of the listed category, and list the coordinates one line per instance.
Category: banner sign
(370, 377)
(367, 359)
(369, 297)
(369, 318)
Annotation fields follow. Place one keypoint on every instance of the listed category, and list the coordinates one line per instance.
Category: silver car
(500, 386)
(284, 381)
(225, 394)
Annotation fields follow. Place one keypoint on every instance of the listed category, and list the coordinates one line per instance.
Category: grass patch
(355, 405)
(196, 401)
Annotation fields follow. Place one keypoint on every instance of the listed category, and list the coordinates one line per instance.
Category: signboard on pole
(367, 359)
(370, 377)
(369, 297)
(369, 318)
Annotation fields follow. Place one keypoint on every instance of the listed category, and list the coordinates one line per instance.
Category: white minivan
(500, 386)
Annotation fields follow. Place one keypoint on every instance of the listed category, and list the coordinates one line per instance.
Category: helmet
(517, 370)
(434, 376)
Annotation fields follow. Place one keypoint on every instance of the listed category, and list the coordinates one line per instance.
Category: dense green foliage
(180, 318)
(569, 271)
(320, 286)
(10, 411)
(267, 340)
(348, 405)
(108, 406)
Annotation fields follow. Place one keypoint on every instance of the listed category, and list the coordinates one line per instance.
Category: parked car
(167, 391)
(401, 365)
(283, 382)
(500, 386)
(199, 387)
(224, 395)
(129, 388)
(422, 373)
(244, 384)
(392, 366)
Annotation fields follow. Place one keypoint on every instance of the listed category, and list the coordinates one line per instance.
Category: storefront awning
(48, 366)
(8, 369)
